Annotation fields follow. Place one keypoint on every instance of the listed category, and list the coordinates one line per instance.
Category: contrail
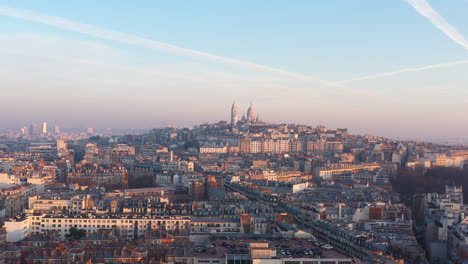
(386, 74)
(425, 9)
(99, 64)
(107, 34)
(420, 5)
(107, 65)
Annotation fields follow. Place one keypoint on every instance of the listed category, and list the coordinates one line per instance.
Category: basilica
(251, 118)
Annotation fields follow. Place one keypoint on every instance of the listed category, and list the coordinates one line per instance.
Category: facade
(17, 228)
(110, 178)
(130, 227)
(214, 226)
(270, 146)
(16, 198)
(214, 149)
(331, 171)
(71, 205)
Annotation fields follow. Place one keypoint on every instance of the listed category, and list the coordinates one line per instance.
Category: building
(73, 205)
(17, 228)
(330, 171)
(233, 114)
(268, 252)
(214, 226)
(130, 226)
(168, 192)
(44, 128)
(113, 177)
(62, 148)
(457, 241)
(251, 114)
(214, 148)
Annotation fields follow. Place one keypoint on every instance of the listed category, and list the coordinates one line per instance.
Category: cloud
(386, 74)
(98, 64)
(102, 68)
(107, 34)
(425, 9)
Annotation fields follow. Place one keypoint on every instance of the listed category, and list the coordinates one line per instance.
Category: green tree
(75, 234)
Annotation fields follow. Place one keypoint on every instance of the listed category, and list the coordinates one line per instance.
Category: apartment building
(132, 226)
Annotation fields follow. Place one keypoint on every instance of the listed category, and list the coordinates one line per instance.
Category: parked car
(327, 246)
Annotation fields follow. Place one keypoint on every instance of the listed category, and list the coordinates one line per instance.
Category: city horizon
(439, 139)
(447, 140)
(379, 78)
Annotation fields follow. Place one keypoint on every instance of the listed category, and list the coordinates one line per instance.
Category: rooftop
(296, 248)
(152, 189)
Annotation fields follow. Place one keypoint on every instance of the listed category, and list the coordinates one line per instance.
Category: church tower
(250, 114)
(233, 114)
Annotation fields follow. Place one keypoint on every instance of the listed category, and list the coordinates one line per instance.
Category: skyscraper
(234, 114)
(35, 130)
(44, 127)
(24, 131)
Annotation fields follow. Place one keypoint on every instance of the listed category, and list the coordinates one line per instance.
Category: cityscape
(237, 191)
(233, 132)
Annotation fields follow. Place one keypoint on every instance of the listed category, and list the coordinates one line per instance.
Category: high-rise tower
(44, 128)
(234, 114)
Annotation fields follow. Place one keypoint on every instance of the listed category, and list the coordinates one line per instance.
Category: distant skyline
(389, 68)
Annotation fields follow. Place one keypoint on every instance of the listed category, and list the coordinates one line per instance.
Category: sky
(396, 68)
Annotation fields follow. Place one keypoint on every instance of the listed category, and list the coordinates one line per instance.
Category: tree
(75, 234)
(119, 234)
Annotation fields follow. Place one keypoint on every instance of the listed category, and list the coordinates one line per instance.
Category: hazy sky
(387, 67)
